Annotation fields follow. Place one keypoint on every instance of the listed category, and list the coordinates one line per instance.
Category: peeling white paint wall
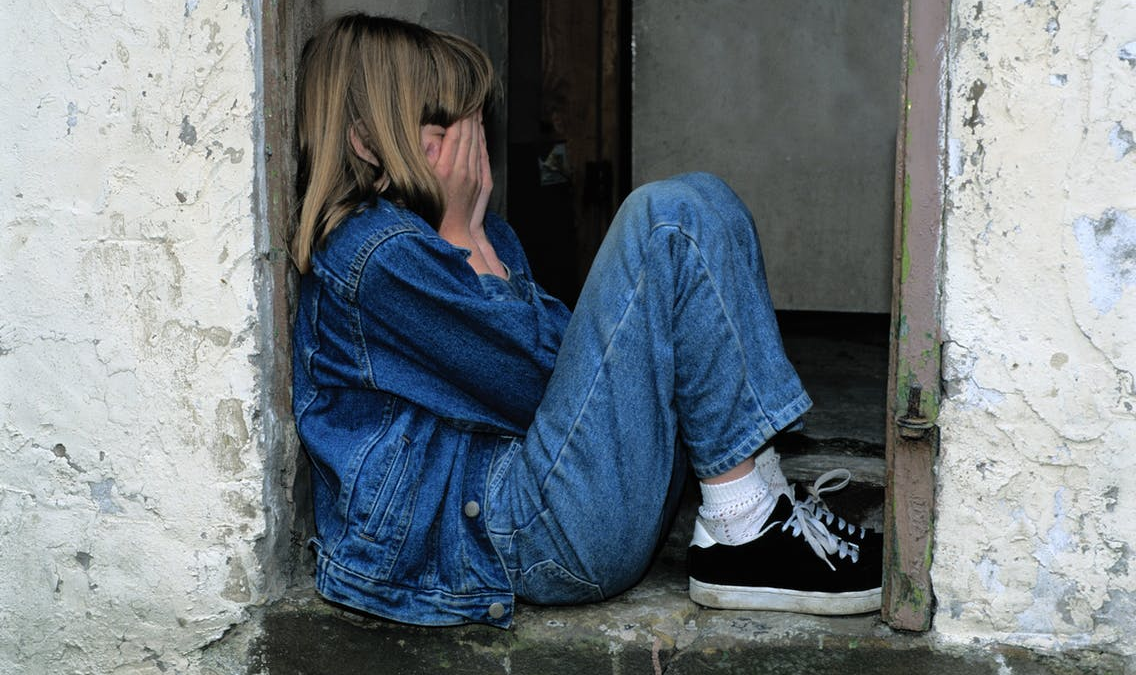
(130, 469)
(1037, 474)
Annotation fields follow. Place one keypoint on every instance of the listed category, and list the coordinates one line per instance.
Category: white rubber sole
(784, 600)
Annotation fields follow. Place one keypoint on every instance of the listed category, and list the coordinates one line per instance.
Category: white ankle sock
(734, 513)
(769, 466)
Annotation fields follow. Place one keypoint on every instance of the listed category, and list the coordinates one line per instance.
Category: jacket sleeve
(471, 348)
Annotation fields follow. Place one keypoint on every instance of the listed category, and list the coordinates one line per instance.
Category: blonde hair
(383, 78)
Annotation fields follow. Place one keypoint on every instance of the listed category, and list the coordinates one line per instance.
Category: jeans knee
(691, 201)
(698, 190)
(670, 200)
(704, 181)
(715, 190)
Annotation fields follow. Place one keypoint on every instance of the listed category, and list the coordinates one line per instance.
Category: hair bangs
(465, 81)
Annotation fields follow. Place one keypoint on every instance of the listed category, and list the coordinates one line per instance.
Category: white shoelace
(806, 523)
(820, 510)
(823, 542)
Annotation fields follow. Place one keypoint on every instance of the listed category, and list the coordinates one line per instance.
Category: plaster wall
(1037, 470)
(131, 472)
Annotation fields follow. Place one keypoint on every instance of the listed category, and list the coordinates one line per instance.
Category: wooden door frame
(914, 368)
(284, 27)
(586, 101)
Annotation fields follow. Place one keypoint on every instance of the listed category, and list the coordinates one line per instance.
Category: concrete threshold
(653, 629)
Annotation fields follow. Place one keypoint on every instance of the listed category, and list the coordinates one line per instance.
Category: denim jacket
(411, 372)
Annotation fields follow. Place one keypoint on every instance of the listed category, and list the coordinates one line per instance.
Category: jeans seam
(595, 377)
(724, 462)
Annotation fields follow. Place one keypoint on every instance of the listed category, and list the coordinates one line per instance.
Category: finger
(474, 147)
(467, 152)
(461, 128)
(449, 152)
(486, 170)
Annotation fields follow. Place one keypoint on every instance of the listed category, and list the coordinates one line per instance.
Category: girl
(471, 442)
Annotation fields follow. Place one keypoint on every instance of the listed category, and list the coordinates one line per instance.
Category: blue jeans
(673, 352)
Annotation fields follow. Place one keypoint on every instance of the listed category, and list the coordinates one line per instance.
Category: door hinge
(914, 425)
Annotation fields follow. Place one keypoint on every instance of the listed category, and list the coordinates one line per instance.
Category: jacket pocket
(384, 503)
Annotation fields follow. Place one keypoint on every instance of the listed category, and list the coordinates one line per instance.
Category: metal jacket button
(496, 610)
(472, 510)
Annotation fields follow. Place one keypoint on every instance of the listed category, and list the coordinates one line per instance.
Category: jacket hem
(422, 607)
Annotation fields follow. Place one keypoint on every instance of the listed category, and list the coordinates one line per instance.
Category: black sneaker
(796, 565)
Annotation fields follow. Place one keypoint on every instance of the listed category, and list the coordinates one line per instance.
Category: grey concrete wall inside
(483, 22)
(795, 103)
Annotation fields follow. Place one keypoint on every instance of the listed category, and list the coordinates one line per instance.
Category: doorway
(575, 60)
(793, 103)
(797, 105)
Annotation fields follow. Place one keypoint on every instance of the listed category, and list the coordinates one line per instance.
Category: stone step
(652, 629)
(804, 457)
(806, 468)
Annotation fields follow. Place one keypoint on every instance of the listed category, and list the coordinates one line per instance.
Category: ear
(359, 148)
(432, 148)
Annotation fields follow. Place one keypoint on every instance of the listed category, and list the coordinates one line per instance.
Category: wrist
(488, 253)
(455, 230)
